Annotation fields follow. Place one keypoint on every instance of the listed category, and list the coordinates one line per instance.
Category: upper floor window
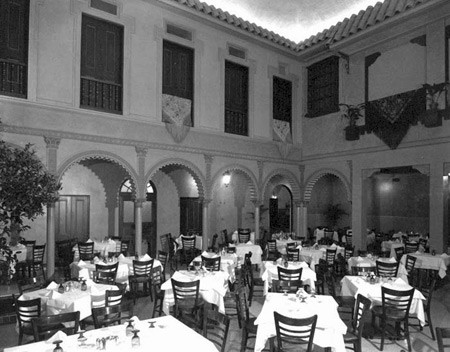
(323, 87)
(282, 109)
(101, 65)
(178, 84)
(14, 29)
(236, 98)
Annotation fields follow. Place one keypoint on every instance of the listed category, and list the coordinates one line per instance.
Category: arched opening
(281, 210)
(149, 216)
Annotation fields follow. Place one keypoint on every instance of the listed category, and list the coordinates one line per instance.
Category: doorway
(190, 215)
(72, 217)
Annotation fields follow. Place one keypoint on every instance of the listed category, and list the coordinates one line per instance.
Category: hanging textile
(176, 110)
(282, 131)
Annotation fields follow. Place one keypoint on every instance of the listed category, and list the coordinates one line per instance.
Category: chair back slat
(142, 268)
(443, 338)
(386, 269)
(293, 332)
(289, 274)
(293, 254)
(215, 328)
(211, 264)
(290, 286)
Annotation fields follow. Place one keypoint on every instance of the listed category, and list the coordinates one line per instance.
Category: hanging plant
(352, 113)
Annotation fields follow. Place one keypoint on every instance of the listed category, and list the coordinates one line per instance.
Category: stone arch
(193, 170)
(101, 155)
(252, 182)
(312, 180)
(286, 178)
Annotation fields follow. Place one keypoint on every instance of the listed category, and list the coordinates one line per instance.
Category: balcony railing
(236, 122)
(99, 95)
(13, 78)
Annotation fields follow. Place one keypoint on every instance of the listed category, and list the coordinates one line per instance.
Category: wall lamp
(226, 178)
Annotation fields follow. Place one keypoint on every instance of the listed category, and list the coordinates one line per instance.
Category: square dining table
(228, 262)
(168, 334)
(354, 285)
(269, 271)
(53, 302)
(330, 329)
(371, 263)
(103, 247)
(213, 287)
(438, 262)
(312, 255)
(243, 248)
(389, 246)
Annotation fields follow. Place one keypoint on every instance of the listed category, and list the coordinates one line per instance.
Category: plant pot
(431, 118)
(351, 133)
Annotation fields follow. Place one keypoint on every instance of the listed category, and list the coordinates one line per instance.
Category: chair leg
(408, 340)
(383, 330)
(244, 340)
(430, 324)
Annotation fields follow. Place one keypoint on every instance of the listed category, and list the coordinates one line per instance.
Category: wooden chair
(37, 261)
(231, 250)
(293, 333)
(346, 304)
(215, 328)
(105, 273)
(249, 279)
(114, 297)
(157, 280)
(163, 257)
(142, 271)
(64, 257)
(86, 250)
(293, 254)
(248, 326)
(214, 247)
(413, 274)
(188, 304)
(44, 327)
(399, 251)
(354, 335)
(289, 274)
(411, 247)
(211, 264)
(349, 239)
(25, 312)
(272, 251)
(330, 256)
(290, 286)
(361, 270)
(125, 247)
(441, 334)
(395, 308)
(188, 252)
(386, 269)
(321, 269)
(30, 284)
(427, 289)
(110, 315)
(348, 252)
(243, 235)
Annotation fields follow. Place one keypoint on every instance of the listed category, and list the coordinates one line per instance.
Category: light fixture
(226, 178)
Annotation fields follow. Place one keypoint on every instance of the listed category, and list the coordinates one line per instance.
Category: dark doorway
(190, 215)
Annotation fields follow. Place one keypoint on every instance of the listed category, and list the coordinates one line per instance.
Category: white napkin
(444, 255)
(145, 257)
(413, 242)
(96, 260)
(52, 286)
(359, 259)
(249, 242)
(120, 257)
(81, 263)
(209, 255)
(89, 241)
(417, 252)
(333, 246)
(55, 294)
(60, 335)
(392, 260)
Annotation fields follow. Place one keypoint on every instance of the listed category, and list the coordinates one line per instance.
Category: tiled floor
(421, 340)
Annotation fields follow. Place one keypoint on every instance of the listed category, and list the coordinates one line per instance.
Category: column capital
(52, 142)
(139, 202)
(208, 158)
(141, 151)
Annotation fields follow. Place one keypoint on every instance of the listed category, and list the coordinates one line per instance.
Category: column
(301, 224)
(257, 215)
(437, 239)
(52, 145)
(205, 227)
(138, 225)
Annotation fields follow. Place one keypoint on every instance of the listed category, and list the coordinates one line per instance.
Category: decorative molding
(141, 151)
(312, 180)
(289, 179)
(421, 40)
(51, 142)
(52, 145)
(252, 181)
(260, 165)
(139, 202)
(132, 143)
(367, 173)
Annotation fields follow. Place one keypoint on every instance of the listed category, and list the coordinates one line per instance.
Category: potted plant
(333, 213)
(352, 113)
(432, 116)
(25, 187)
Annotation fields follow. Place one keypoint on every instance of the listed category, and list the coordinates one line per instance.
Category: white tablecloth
(319, 234)
(438, 262)
(353, 285)
(235, 237)
(281, 245)
(55, 303)
(228, 262)
(169, 334)
(125, 268)
(213, 287)
(312, 256)
(242, 249)
(389, 246)
(269, 271)
(329, 329)
(371, 262)
(99, 246)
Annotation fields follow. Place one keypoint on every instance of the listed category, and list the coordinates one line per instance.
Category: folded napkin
(209, 254)
(333, 246)
(96, 260)
(89, 241)
(417, 252)
(55, 294)
(145, 257)
(60, 335)
(444, 255)
(359, 259)
(52, 286)
(249, 242)
(81, 263)
(392, 260)
(120, 257)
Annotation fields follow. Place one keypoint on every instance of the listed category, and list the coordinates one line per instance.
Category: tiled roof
(370, 17)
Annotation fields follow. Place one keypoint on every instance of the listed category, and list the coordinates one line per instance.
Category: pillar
(437, 239)
(138, 225)
(257, 216)
(301, 225)
(52, 145)
(205, 227)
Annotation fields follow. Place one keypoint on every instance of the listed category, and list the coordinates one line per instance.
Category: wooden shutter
(101, 65)
(282, 99)
(14, 27)
(236, 99)
(323, 87)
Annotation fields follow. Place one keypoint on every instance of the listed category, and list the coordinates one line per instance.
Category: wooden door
(72, 217)
(191, 215)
